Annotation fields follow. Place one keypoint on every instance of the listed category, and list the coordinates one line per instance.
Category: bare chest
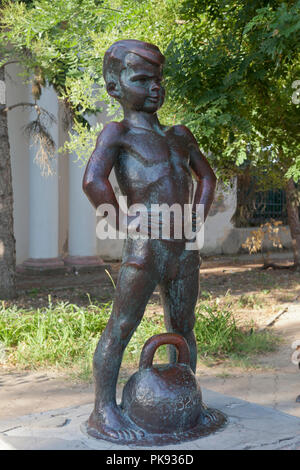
(147, 149)
(153, 166)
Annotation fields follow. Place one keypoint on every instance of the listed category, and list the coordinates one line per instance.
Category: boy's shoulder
(112, 133)
(182, 131)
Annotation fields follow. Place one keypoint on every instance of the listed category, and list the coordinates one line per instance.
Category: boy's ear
(113, 90)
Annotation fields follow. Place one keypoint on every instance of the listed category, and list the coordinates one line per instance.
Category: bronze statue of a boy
(153, 165)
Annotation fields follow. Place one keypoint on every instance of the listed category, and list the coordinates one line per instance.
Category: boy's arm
(95, 181)
(206, 179)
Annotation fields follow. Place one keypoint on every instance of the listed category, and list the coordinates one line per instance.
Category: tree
(244, 59)
(231, 73)
(7, 241)
(44, 64)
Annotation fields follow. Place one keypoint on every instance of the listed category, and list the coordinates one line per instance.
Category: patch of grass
(253, 342)
(205, 295)
(215, 330)
(287, 297)
(60, 335)
(250, 301)
(147, 328)
(33, 292)
(65, 336)
(218, 335)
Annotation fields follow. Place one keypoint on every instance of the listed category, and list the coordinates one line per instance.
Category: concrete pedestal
(250, 427)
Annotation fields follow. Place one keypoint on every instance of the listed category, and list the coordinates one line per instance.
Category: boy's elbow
(84, 183)
(214, 180)
(211, 180)
(88, 186)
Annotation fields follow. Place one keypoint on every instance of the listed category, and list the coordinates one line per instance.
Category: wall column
(43, 201)
(82, 221)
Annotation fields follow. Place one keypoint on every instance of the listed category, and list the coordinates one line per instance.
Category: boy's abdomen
(161, 184)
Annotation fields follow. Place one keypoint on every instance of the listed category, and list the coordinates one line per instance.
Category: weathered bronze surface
(166, 400)
(153, 165)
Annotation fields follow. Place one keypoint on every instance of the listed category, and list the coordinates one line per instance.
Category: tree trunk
(7, 239)
(293, 219)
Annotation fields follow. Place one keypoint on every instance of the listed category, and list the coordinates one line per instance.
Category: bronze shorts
(162, 259)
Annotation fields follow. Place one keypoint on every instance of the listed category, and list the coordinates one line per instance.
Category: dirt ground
(269, 299)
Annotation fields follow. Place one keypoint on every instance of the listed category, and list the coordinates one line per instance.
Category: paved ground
(279, 386)
(249, 427)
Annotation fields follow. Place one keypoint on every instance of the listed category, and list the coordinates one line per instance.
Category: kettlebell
(163, 398)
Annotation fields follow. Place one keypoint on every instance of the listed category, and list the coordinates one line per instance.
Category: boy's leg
(133, 290)
(179, 299)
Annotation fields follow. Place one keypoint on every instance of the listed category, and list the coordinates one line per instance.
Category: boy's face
(140, 85)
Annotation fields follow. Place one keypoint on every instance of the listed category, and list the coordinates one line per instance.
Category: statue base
(211, 421)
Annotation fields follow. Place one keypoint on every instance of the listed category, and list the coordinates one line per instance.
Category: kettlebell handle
(155, 341)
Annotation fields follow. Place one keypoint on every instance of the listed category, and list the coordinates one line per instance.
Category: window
(256, 207)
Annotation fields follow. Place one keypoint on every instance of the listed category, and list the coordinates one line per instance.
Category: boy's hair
(114, 58)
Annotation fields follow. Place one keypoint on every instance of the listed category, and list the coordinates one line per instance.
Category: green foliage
(54, 41)
(234, 74)
(82, 141)
(54, 36)
(229, 73)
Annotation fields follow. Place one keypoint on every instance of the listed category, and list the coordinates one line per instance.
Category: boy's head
(126, 58)
(114, 58)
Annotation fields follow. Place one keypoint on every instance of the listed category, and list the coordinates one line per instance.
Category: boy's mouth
(153, 99)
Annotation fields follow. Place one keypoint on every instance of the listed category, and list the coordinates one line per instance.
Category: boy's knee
(127, 327)
(185, 325)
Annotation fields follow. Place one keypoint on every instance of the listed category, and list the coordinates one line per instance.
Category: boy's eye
(146, 79)
(139, 79)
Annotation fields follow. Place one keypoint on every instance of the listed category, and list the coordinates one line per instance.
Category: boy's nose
(155, 86)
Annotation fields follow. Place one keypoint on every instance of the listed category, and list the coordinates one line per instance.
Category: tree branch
(9, 108)
(112, 9)
(9, 62)
(40, 111)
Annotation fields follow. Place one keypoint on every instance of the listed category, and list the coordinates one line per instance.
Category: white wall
(111, 249)
(218, 225)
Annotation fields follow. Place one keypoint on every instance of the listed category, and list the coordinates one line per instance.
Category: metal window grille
(256, 207)
(269, 205)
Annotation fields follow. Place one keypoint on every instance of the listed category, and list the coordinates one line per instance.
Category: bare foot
(111, 422)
